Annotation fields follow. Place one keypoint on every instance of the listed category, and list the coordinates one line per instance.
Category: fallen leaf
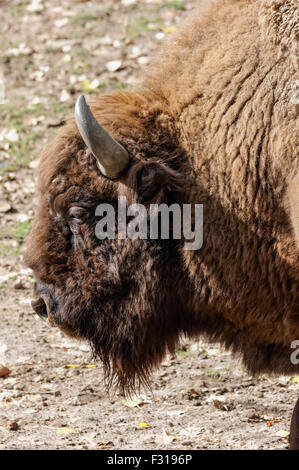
(3, 348)
(254, 417)
(4, 371)
(191, 431)
(294, 379)
(66, 430)
(136, 52)
(64, 96)
(143, 60)
(169, 29)
(284, 434)
(165, 438)
(5, 207)
(90, 86)
(34, 164)
(62, 22)
(127, 3)
(30, 411)
(12, 135)
(11, 425)
(86, 366)
(160, 36)
(135, 402)
(102, 445)
(35, 7)
(19, 285)
(175, 412)
(143, 425)
(114, 65)
(220, 405)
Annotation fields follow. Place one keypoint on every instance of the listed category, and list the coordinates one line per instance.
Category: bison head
(126, 297)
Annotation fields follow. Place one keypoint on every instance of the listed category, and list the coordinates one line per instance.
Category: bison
(216, 123)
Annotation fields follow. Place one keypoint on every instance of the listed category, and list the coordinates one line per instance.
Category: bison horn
(110, 156)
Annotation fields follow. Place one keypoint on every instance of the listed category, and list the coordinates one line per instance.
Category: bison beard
(216, 124)
(130, 326)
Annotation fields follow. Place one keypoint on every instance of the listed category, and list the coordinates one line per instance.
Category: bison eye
(78, 213)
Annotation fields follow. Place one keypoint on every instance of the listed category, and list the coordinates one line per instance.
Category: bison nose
(39, 306)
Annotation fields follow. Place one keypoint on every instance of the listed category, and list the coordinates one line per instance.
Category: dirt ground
(50, 51)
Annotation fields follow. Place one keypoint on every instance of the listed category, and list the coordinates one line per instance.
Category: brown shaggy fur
(217, 124)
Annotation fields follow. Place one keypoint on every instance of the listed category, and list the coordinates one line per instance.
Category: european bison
(216, 124)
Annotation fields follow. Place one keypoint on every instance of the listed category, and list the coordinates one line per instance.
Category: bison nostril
(39, 306)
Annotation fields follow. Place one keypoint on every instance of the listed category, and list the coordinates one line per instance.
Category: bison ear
(293, 196)
(151, 182)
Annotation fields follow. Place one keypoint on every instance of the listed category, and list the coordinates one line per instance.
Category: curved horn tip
(81, 101)
(111, 157)
(81, 108)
